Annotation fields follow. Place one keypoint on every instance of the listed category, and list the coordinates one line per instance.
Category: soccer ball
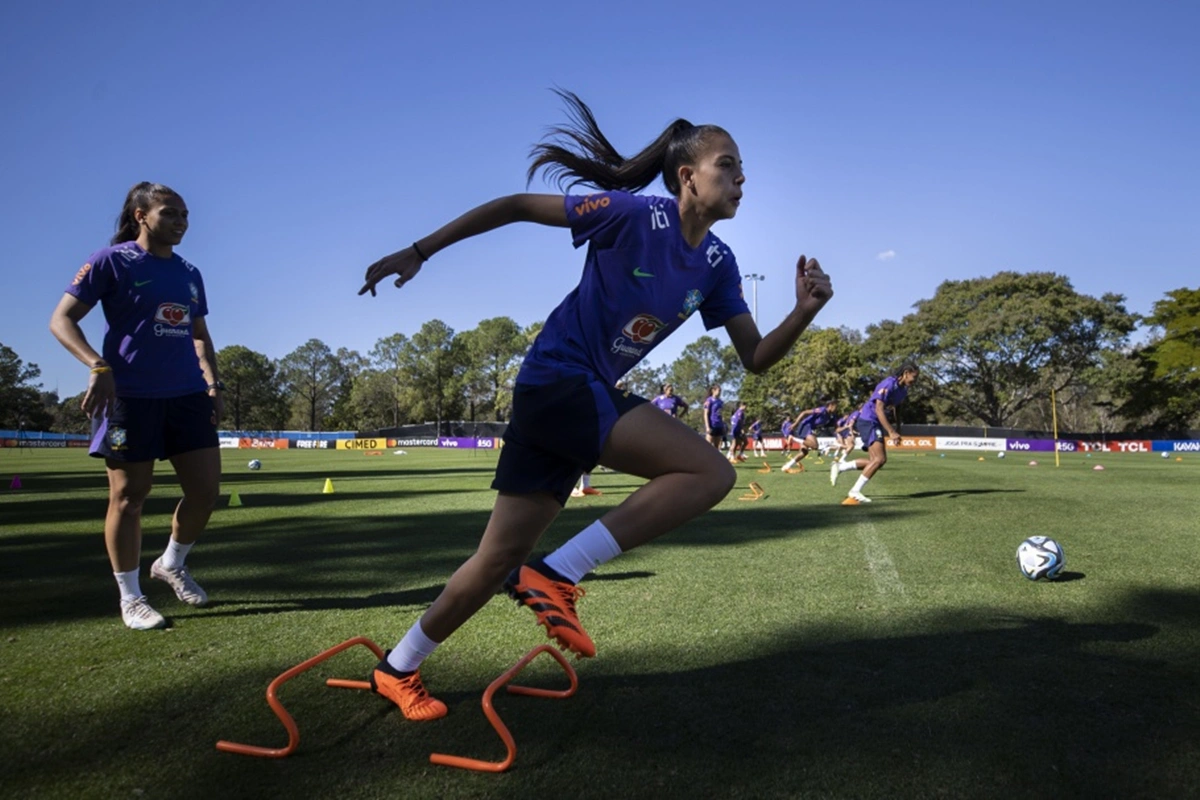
(254, 464)
(1040, 557)
(1166, 455)
(1000, 454)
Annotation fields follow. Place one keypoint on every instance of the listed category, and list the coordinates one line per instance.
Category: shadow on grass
(974, 705)
(293, 562)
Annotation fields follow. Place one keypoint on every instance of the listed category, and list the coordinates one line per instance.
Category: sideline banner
(229, 442)
(413, 442)
(1114, 447)
(1177, 446)
(917, 443)
(969, 443)
(361, 444)
(469, 442)
(254, 443)
(1033, 445)
(312, 444)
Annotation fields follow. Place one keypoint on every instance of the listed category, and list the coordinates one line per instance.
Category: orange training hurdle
(494, 718)
(462, 762)
(288, 723)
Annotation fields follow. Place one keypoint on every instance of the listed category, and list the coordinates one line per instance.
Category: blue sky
(902, 144)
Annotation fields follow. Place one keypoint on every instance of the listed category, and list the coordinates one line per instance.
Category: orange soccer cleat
(554, 604)
(406, 691)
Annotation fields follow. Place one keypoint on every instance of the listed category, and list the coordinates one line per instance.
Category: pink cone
(16, 482)
(1033, 463)
(1099, 467)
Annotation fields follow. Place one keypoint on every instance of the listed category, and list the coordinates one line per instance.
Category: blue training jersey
(820, 418)
(149, 304)
(640, 282)
(889, 391)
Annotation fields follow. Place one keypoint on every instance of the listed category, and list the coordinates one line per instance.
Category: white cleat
(833, 473)
(185, 586)
(138, 615)
(860, 497)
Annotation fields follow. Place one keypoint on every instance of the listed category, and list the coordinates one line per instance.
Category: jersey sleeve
(726, 301)
(200, 301)
(95, 279)
(599, 218)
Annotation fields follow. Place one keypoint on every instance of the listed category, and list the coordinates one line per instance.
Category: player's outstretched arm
(759, 353)
(545, 209)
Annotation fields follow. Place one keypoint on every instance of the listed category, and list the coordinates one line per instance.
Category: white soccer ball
(1000, 454)
(1166, 455)
(254, 464)
(1040, 557)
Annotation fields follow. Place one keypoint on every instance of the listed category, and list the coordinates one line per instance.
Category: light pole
(754, 276)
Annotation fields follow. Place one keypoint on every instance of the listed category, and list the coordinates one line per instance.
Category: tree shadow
(973, 704)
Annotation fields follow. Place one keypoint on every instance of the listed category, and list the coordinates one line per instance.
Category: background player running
(876, 430)
(566, 416)
(808, 422)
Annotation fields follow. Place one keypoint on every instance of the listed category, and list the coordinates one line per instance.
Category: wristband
(420, 255)
(102, 369)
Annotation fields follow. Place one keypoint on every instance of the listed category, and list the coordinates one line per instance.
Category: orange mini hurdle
(461, 762)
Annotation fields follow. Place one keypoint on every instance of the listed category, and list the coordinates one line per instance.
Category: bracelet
(417, 250)
(99, 370)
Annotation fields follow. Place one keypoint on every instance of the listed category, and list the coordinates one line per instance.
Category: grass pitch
(790, 647)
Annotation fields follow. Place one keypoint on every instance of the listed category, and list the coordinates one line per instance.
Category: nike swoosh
(637, 273)
(139, 284)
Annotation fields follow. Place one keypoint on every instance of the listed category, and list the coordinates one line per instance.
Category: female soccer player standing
(737, 429)
(714, 424)
(651, 262)
(670, 402)
(872, 424)
(154, 393)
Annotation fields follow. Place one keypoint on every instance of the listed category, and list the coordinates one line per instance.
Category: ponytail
(579, 153)
(142, 195)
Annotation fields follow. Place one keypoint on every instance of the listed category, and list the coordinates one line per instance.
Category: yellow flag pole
(1054, 416)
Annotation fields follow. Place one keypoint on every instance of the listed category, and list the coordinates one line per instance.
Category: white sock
(175, 554)
(846, 466)
(129, 585)
(585, 480)
(414, 648)
(859, 484)
(583, 552)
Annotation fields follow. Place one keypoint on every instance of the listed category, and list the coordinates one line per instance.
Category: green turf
(790, 647)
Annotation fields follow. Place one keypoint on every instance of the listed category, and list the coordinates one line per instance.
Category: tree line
(991, 351)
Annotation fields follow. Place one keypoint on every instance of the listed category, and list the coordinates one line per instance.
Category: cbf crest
(691, 302)
(117, 437)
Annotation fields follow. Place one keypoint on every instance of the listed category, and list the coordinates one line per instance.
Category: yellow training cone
(234, 500)
(328, 486)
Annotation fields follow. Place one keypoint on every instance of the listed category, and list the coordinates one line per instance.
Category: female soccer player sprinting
(737, 429)
(651, 263)
(153, 394)
(760, 449)
(844, 432)
(876, 430)
(806, 424)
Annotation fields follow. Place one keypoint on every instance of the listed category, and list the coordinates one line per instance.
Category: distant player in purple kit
(760, 449)
(737, 429)
(807, 422)
(669, 402)
(845, 432)
(153, 393)
(785, 431)
(876, 430)
(651, 263)
(714, 423)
